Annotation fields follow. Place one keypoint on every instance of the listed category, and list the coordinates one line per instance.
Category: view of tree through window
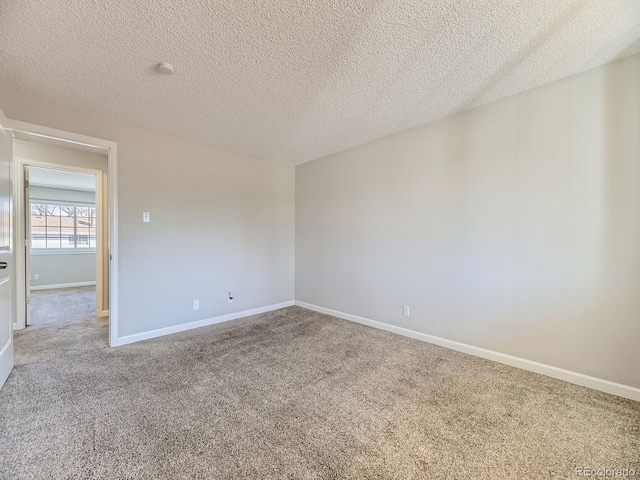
(62, 226)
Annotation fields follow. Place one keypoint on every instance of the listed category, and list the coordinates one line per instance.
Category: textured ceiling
(48, 177)
(295, 80)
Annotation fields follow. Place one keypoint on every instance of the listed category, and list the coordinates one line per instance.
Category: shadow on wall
(549, 233)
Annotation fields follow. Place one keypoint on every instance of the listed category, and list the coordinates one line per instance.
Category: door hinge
(26, 242)
(26, 183)
(28, 300)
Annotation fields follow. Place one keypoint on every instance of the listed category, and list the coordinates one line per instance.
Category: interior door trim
(112, 188)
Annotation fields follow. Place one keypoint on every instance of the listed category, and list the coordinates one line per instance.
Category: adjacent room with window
(62, 260)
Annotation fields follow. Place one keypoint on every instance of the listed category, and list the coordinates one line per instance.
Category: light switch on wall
(146, 217)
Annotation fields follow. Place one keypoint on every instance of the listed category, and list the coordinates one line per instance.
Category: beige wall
(60, 269)
(220, 221)
(513, 227)
(70, 157)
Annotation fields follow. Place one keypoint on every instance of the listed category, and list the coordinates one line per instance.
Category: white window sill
(63, 251)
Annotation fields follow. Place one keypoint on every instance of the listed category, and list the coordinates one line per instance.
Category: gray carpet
(62, 305)
(293, 394)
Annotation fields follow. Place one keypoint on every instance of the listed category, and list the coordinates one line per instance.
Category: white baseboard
(138, 337)
(62, 285)
(607, 386)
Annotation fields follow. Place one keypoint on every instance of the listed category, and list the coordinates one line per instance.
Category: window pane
(38, 230)
(67, 233)
(67, 229)
(62, 226)
(83, 237)
(53, 229)
(67, 210)
(38, 209)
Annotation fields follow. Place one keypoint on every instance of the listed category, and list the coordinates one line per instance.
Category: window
(62, 226)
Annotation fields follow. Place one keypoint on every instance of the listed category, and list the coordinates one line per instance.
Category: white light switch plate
(146, 217)
(406, 311)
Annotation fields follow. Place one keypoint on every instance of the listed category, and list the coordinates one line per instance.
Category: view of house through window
(58, 226)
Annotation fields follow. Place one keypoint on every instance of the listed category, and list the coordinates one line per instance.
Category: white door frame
(22, 233)
(112, 179)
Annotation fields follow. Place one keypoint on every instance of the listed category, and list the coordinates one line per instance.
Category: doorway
(74, 221)
(64, 241)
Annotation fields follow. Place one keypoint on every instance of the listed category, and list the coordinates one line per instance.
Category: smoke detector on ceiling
(165, 68)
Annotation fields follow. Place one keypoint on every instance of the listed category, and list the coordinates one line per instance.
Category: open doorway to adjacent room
(62, 216)
(62, 222)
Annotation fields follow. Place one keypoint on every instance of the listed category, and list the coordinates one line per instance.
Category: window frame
(62, 251)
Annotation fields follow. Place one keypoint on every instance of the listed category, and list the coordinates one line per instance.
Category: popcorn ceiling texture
(296, 80)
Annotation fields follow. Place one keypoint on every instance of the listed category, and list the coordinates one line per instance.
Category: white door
(7, 300)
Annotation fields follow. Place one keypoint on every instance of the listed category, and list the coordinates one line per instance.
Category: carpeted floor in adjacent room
(293, 394)
(62, 305)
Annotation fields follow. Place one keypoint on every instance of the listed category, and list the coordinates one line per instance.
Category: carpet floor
(293, 394)
(62, 305)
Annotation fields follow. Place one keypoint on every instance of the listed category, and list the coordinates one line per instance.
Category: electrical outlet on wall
(230, 298)
(196, 304)
(406, 311)
(36, 276)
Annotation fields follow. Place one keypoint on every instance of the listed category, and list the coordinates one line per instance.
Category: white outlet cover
(406, 311)
(196, 304)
